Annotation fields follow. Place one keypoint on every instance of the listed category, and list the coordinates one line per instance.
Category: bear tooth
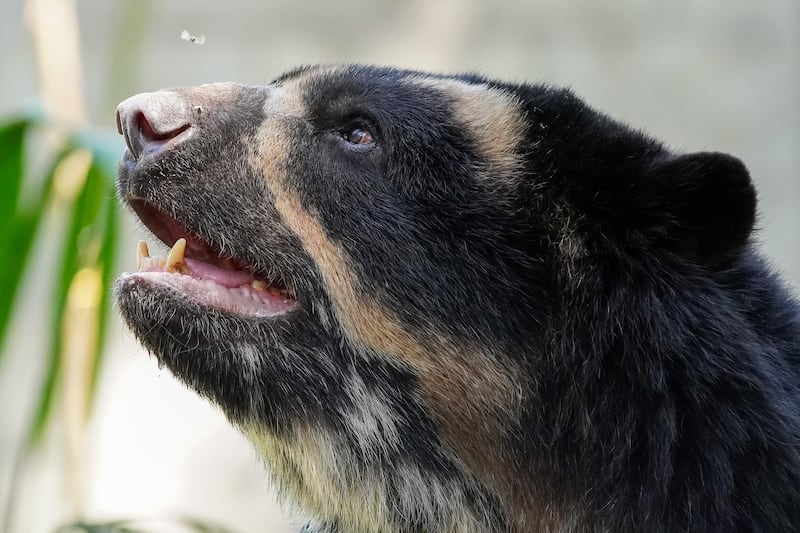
(175, 257)
(258, 285)
(141, 253)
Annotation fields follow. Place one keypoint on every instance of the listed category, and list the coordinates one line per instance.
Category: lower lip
(244, 300)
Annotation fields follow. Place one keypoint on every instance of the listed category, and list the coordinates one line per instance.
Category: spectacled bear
(452, 304)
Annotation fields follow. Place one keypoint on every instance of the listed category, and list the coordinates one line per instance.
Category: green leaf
(17, 242)
(106, 262)
(85, 244)
(187, 524)
(12, 153)
(108, 527)
(203, 527)
(12, 171)
(16, 253)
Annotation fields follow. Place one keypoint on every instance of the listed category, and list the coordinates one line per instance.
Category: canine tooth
(259, 285)
(175, 257)
(141, 253)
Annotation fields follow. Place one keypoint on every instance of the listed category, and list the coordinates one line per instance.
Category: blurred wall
(700, 74)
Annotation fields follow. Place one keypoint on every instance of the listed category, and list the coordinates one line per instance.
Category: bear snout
(154, 122)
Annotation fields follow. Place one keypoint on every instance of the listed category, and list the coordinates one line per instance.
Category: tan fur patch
(470, 395)
(307, 466)
(284, 102)
(325, 480)
(469, 391)
(492, 117)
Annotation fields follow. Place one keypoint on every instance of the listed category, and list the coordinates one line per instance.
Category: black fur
(656, 355)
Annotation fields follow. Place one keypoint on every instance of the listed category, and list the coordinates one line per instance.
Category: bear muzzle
(153, 122)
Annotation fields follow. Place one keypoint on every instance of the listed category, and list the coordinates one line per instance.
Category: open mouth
(194, 268)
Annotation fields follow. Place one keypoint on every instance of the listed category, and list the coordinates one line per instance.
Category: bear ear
(702, 206)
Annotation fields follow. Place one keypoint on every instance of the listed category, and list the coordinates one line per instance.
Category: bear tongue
(177, 262)
(222, 276)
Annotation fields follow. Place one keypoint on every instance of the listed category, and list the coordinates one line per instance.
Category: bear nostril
(152, 135)
(153, 122)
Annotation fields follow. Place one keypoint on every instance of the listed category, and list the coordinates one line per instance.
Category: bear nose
(153, 122)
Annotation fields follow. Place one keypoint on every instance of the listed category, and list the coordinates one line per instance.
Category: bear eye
(359, 136)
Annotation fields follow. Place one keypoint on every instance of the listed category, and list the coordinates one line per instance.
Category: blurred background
(700, 74)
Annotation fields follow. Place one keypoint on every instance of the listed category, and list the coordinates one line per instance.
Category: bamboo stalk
(54, 28)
